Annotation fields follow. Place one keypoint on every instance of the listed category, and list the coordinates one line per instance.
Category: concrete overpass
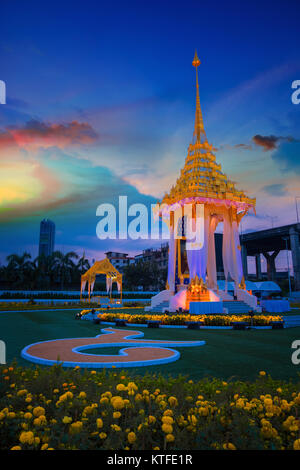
(269, 243)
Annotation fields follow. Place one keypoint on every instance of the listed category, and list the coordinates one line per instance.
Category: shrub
(73, 409)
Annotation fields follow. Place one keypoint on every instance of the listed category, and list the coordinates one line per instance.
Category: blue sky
(100, 102)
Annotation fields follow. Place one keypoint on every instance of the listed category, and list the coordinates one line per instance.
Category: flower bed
(208, 320)
(53, 408)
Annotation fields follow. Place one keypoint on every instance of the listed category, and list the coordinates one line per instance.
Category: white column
(211, 259)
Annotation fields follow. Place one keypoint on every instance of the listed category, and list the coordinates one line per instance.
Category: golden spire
(201, 176)
(199, 131)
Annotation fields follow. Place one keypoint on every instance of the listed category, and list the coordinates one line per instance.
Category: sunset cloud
(270, 142)
(35, 134)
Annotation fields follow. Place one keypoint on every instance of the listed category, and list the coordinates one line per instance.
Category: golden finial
(196, 62)
(199, 127)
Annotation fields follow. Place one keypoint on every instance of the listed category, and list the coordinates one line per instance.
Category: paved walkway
(139, 352)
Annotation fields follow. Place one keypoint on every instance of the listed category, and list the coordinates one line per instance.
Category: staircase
(291, 321)
(236, 307)
(159, 308)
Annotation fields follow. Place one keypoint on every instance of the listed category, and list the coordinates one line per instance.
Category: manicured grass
(227, 353)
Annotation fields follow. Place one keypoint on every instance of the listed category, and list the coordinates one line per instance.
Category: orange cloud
(270, 142)
(36, 134)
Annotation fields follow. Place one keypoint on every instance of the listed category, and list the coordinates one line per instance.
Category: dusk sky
(101, 103)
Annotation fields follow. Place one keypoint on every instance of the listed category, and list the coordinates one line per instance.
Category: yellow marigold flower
(156, 448)
(56, 390)
(28, 399)
(104, 400)
(268, 401)
(88, 410)
(44, 446)
(132, 386)
(151, 419)
(229, 446)
(22, 392)
(131, 437)
(26, 437)
(65, 384)
(116, 414)
(38, 411)
(262, 373)
(99, 423)
(167, 419)
(103, 435)
(170, 438)
(192, 419)
(115, 427)
(16, 448)
(173, 401)
(121, 387)
(117, 402)
(167, 428)
(67, 420)
(11, 415)
(82, 395)
(296, 445)
(93, 372)
(37, 440)
(75, 427)
(40, 420)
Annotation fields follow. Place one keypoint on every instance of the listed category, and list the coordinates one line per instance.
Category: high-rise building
(47, 237)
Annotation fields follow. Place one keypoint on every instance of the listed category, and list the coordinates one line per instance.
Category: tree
(83, 265)
(44, 271)
(64, 266)
(146, 274)
(19, 269)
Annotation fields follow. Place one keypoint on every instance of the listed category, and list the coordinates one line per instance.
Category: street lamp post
(288, 264)
(297, 197)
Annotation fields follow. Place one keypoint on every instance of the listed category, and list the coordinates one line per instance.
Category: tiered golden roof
(201, 176)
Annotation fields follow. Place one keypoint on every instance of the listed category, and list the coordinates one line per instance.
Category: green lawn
(227, 353)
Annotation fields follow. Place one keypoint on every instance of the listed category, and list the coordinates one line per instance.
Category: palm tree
(19, 267)
(64, 265)
(83, 264)
(43, 271)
